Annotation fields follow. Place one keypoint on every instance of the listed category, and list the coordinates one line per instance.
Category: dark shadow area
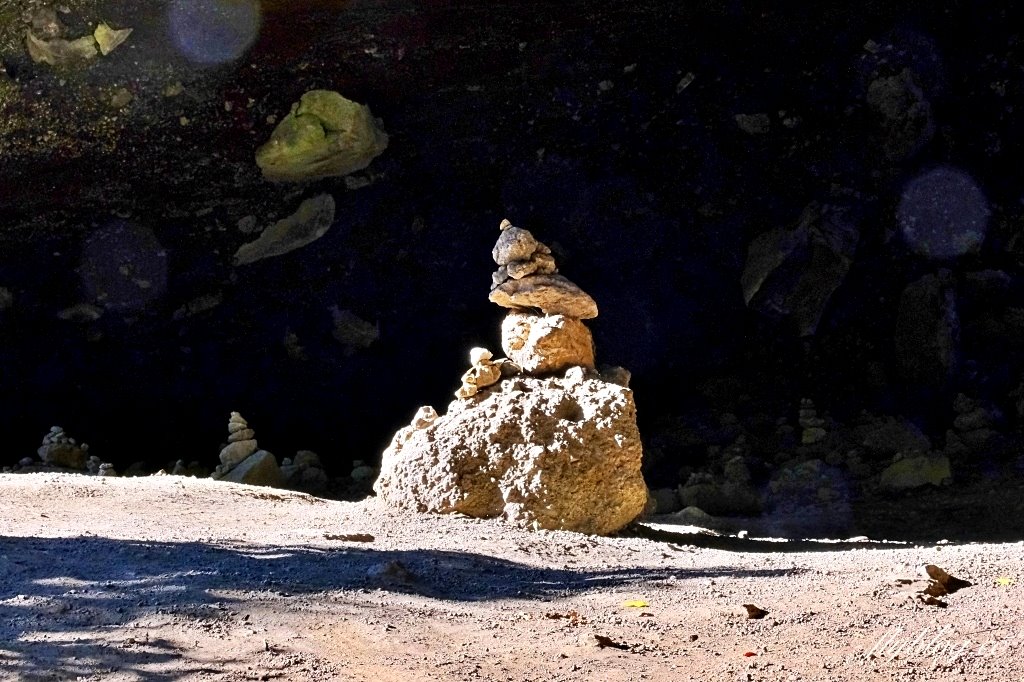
(65, 587)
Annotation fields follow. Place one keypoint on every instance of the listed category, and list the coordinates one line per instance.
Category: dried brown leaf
(754, 612)
(350, 537)
(603, 642)
(950, 583)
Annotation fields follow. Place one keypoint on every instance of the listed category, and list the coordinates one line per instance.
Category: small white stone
(478, 356)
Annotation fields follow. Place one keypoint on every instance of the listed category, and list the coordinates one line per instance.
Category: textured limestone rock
(552, 294)
(549, 453)
(241, 442)
(260, 468)
(482, 373)
(324, 135)
(541, 344)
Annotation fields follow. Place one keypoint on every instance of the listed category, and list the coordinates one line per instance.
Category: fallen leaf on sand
(754, 612)
(350, 537)
(635, 603)
(1004, 581)
(603, 642)
(573, 617)
(942, 583)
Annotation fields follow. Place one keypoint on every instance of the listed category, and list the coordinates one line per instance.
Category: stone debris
(353, 332)
(242, 462)
(793, 271)
(728, 497)
(535, 448)
(97, 467)
(481, 373)
(304, 472)
(107, 39)
(666, 500)
(48, 47)
(973, 426)
(324, 135)
(310, 221)
(754, 124)
(904, 115)
(542, 344)
(59, 449)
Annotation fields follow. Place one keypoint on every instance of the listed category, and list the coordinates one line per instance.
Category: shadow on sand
(56, 593)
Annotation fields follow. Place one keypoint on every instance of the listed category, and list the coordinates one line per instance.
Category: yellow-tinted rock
(324, 135)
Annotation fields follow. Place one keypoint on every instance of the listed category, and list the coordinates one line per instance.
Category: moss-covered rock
(323, 135)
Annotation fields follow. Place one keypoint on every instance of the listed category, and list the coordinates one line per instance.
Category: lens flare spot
(943, 213)
(213, 31)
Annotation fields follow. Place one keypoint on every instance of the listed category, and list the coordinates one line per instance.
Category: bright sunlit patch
(213, 31)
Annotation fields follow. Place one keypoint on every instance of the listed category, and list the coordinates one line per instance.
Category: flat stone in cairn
(551, 294)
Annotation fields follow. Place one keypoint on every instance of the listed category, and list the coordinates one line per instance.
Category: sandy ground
(168, 578)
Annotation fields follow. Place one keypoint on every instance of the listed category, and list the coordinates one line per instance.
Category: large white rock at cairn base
(555, 453)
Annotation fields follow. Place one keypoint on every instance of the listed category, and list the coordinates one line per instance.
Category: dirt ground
(171, 578)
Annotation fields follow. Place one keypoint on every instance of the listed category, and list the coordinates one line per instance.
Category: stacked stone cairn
(242, 462)
(527, 281)
(60, 452)
(538, 438)
(811, 423)
(973, 426)
(59, 449)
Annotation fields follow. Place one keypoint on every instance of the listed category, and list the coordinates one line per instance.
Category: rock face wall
(562, 452)
(521, 442)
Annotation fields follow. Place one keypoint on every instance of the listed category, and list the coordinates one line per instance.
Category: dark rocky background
(652, 144)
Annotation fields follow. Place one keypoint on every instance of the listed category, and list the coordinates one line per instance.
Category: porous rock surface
(546, 343)
(555, 453)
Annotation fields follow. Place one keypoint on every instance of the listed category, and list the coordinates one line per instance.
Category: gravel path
(169, 578)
